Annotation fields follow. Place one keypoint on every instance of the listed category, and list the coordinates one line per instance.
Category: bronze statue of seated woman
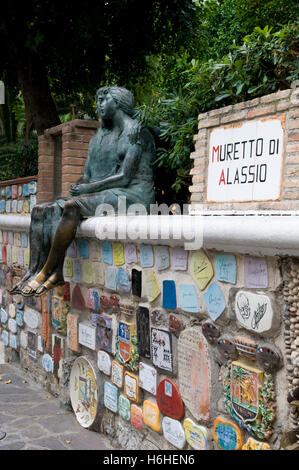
(119, 164)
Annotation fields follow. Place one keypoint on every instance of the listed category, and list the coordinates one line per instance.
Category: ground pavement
(33, 419)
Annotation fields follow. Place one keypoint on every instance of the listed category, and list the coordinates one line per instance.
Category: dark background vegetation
(178, 57)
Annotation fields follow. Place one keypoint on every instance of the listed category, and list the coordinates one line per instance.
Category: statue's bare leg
(35, 238)
(51, 274)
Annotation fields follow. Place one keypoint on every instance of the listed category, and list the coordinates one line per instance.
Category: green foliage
(18, 159)
(265, 62)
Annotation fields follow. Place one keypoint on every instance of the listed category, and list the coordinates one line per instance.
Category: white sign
(254, 311)
(173, 432)
(246, 161)
(31, 317)
(104, 362)
(87, 336)
(147, 378)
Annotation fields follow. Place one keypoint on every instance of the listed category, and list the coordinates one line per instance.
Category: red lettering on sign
(215, 150)
(222, 178)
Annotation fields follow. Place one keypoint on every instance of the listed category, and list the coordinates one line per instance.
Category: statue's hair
(123, 97)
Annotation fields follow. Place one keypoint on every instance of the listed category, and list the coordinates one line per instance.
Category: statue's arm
(122, 178)
(83, 179)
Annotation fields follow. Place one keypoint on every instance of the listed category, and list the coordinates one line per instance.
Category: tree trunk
(34, 84)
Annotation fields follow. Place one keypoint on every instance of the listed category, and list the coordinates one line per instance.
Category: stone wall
(196, 321)
(283, 105)
(18, 196)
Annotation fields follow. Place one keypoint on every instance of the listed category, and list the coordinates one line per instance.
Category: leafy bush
(18, 159)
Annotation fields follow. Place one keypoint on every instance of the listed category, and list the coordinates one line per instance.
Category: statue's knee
(71, 208)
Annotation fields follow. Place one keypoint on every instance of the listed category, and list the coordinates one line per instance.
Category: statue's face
(106, 106)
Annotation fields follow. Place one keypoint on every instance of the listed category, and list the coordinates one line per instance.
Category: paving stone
(33, 422)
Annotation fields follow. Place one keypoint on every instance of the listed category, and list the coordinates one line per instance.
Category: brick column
(66, 161)
(45, 169)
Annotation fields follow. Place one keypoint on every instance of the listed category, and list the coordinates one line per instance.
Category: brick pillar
(65, 161)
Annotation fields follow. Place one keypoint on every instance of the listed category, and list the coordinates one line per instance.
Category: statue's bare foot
(54, 280)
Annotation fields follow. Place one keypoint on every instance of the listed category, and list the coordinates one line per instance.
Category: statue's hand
(77, 189)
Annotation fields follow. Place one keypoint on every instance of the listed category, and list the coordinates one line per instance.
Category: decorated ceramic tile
(87, 335)
(23, 339)
(162, 257)
(179, 259)
(111, 273)
(143, 332)
(194, 373)
(124, 407)
(252, 444)
(123, 282)
(99, 274)
(32, 201)
(26, 189)
(169, 399)
(215, 301)
(196, 435)
(136, 416)
(32, 187)
(110, 397)
(77, 271)
(226, 434)
(169, 295)
(148, 378)
(250, 398)
(87, 273)
(210, 331)
(12, 325)
(245, 346)
(47, 363)
(131, 385)
(73, 331)
(14, 206)
(254, 311)
(5, 337)
(104, 335)
(72, 250)
(40, 347)
(60, 310)
(78, 301)
(12, 310)
(19, 318)
(13, 341)
(173, 432)
(83, 248)
(152, 286)
(255, 272)
(84, 393)
(31, 344)
(24, 240)
(201, 268)
(146, 256)
(104, 362)
(174, 323)
(226, 268)
(136, 282)
(125, 333)
(93, 299)
(161, 344)
(268, 356)
(3, 315)
(118, 253)
(188, 298)
(68, 268)
(107, 253)
(130, 253)
(20, 205)
(151, 415)
(20, 257)
(31, 317)
(117, 371)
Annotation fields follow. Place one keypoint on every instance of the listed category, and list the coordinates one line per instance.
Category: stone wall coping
(86, 123)
(23, 180)
(255, 235)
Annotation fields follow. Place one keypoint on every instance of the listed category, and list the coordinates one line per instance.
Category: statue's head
(115, 97)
